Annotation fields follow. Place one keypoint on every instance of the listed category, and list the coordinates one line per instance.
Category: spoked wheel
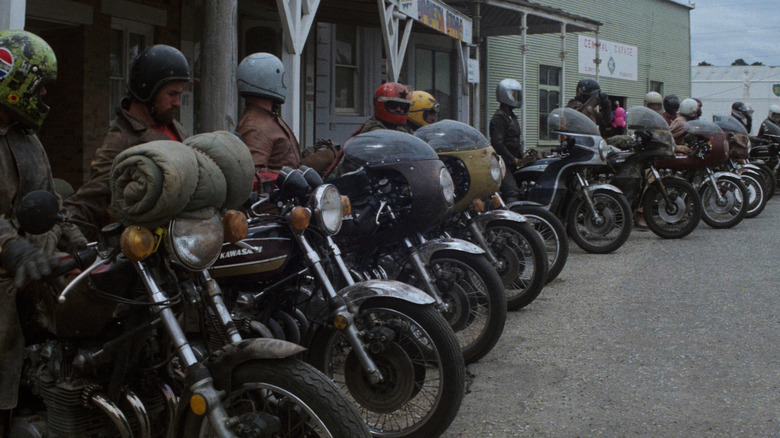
(727, 210)
(420, 361)
(553, 234)
(522, 260)
(474, 298)
(756, 194)
(676, 218)
(606, 232)
(283, 398)
(770, 180)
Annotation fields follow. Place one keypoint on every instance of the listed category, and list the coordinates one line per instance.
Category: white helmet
(262, 74)
(689, 108)
(510, 92)
(653, 98)
(774, 113)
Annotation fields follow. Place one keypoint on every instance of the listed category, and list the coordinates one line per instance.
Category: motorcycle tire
(304, 400)
(733, 207)
(522, 260)
(553, 235)
(600, 238)
(769, 178)
(672, 221)
(423, 365)
(756, 194)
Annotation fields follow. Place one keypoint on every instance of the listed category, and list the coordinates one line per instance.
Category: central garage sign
(618, 61)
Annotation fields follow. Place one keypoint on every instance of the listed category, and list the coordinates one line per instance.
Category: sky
(725, 30)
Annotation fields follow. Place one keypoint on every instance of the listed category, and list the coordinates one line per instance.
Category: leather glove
(72, 239)
(25, 261)
(682, 149)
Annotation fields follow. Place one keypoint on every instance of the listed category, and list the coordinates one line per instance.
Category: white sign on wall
(473, 71)
(618, 61)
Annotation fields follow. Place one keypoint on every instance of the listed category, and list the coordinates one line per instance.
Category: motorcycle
(400, 189)
(671, 205)
(738, 162)
(513, 247)
(723, 194)
(768, 151)
(382, 342)
(598, 217)
(140, 344)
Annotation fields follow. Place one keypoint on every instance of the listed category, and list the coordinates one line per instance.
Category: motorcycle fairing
(361, 292)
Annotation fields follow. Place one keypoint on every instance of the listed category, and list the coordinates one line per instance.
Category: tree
(704, 63)
(757, 63)
(739, 61)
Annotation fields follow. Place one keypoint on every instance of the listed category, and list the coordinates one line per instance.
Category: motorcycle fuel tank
(272, 249)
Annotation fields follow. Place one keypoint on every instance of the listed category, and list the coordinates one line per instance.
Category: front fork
(339, 308)
(714, 182)
(480, 236)
(597, 219)
(422, 271)
(664, 193)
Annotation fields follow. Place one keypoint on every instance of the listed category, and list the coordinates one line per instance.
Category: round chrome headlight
(447, 186)
(195, 243)
(603, 149)
(496, 168)
(326, 203)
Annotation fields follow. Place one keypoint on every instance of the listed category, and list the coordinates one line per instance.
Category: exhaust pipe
(113, 413)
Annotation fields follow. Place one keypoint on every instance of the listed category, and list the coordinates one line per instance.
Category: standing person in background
(392, 101)
(423, 111)
(743, 113)
(594, 103)
(671, 106)
(505, 135)
(698, 111)
(654, 101)
(148, 112)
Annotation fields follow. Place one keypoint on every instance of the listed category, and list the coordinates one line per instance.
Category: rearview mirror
(37, 212)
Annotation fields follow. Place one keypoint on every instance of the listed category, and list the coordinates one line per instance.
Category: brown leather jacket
(271, 142)
(678, 129)
(91, 201)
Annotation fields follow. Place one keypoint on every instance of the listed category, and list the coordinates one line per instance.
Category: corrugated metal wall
(659, 28)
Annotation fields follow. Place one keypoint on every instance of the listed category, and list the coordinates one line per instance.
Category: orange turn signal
(300, 217)
(346, 206)
(198, 405)
(235, 225)
(137, 243)
(479, 205)
(497, 201)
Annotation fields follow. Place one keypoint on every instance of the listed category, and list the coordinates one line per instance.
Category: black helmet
(153, 67)
(585, 88)
(743, 113)
(671, 104)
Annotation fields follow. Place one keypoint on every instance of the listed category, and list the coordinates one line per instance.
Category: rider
(671, 106)
(698, 110)
(743, 113)
(588, 97)
(424, 110)
(391, 108)
(505, 134)
(157, 78)
(654, 101)
(773, 117)
(688, 111)
(28, 62)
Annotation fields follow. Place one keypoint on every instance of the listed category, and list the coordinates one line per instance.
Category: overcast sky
(724, 30)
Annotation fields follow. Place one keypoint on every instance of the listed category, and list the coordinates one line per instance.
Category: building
(719, 87)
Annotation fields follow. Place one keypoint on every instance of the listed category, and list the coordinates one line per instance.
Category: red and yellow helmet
(391, 103)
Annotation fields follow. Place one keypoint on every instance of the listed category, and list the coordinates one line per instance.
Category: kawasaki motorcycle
(671, 205)
(767, 148)
(400, 190)
(513, 247)
(382, 342)
(597, 216)
(141, 344)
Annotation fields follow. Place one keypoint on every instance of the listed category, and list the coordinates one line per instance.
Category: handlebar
(81, 260)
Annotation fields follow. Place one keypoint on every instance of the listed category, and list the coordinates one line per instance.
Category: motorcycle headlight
(327, 208)
(750, 146)
(447, 186)
(603, 149)
(194, 243)
(496, 168)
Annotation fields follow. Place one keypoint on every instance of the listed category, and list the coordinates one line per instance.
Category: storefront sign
(437, 15)
(617, 60)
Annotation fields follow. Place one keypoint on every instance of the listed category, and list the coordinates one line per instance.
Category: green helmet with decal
(26, 63)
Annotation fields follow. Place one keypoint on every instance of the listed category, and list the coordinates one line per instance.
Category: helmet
(422, 105)
(154, 67)
(774, 113)
(262, 74)
(586, 87)
(653, 98)
(510, 92)
(671, 103)
(26, 62)
(689, 108)
(389, 97)
(742, 112)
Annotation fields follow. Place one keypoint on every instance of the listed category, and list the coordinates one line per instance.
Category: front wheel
(678, 217)
(605, 232)
(756, 194)
(420, 361)
(283, 397)
(729, 208)
(769, 178)
(522, 260)
(553, 234)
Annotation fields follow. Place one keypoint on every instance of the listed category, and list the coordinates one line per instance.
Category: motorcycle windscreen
(569, 121)
(452, 136)
(771, 128)
(729, 124)
(640, 117)
(702, 127)
(385, 146)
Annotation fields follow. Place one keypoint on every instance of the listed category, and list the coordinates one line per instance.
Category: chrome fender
(359, 293)
(430, 247)
(524, 204)
(593, 187)
(487, 217)
(718, 175)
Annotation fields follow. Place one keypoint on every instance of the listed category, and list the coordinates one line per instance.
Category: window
(658, 87)
(549, 97)
(128, 39)
(346, 84)
(433, 73)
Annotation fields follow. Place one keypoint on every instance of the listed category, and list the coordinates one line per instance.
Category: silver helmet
(262, 74)
(774, 113)
(689, 107)
(510, 92)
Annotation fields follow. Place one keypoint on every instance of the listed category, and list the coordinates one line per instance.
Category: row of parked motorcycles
(350, 307)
